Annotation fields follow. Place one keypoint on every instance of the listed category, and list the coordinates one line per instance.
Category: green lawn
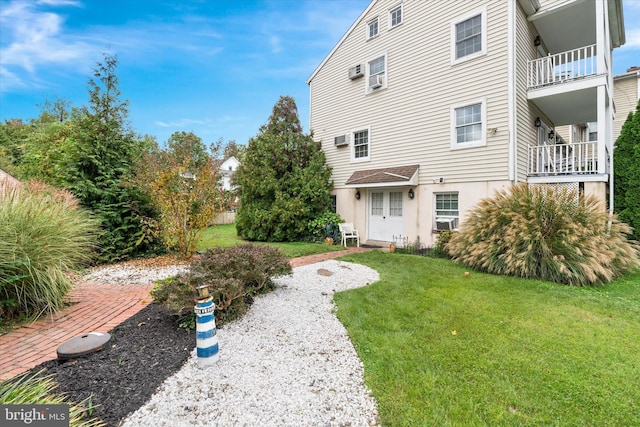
(225, 235)
(441, 348)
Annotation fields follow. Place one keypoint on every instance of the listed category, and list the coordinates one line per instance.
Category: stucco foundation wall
(418, 213)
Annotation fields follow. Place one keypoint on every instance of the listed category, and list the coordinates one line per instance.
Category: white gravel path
(288, 362)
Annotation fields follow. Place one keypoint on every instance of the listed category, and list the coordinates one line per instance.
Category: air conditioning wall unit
(356, 72)
(340, 141)
(446, 224)
(376, 81)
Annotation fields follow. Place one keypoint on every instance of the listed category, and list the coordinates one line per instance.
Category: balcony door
(385, 215)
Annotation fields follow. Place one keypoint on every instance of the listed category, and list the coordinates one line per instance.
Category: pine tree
(627, 173)
(284, 180)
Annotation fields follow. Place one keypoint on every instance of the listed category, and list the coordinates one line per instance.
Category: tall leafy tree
(627, 173)
(99, 162)
(184, 183)
(284, 180)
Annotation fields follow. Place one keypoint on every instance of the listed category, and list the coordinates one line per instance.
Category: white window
(372, 28)
(395, 203)
(446, 213)
(469, 37)
(468, 125)
(361, 148)
(377, 74)
(395, 16)
(377, 204)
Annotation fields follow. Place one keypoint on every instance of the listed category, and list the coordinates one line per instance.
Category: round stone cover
(83, 344)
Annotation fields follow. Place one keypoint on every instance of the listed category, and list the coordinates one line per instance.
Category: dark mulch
(143, 351)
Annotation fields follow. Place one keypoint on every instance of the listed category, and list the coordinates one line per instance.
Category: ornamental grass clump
(44, 236)
(545, 233)
(35, 389)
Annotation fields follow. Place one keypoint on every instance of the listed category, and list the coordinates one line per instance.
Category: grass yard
(225, 235)
(441, 348)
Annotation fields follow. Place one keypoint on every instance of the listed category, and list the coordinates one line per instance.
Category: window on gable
(468, 125)
(361, 145)
(446, 215)
(372, 28)
(395, 16)
(376, 74)
(469, 37)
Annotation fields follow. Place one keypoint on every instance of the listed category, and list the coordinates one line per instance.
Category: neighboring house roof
(399, 175)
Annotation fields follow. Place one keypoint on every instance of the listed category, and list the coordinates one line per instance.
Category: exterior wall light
(538, 123)
(411, 193)
(536, 41)
(358, 195)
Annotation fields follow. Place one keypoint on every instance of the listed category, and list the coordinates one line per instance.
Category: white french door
(385, 215)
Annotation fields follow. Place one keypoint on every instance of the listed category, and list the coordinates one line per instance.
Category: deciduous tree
(184, 184)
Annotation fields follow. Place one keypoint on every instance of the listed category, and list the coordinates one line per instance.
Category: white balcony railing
(562, 67)
(563, 159)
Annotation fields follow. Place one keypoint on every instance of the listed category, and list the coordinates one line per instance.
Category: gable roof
(399, 175)
(349, 31)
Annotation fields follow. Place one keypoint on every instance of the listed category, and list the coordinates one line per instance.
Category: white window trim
(435, 208)
(391, 9)
(370, 21)
(353, 145)
(483, 22)
(367, 89)
(455, 145)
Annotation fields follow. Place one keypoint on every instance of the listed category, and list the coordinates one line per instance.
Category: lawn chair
(348, 232)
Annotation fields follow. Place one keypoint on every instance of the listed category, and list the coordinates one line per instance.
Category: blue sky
(214, 67)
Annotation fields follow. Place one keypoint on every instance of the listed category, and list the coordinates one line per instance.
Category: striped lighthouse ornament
(206, 334)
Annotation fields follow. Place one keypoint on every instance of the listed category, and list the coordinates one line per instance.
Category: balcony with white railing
(562, 67)
(579, 158)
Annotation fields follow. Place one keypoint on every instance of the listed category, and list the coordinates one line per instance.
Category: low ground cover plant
(44, 236)
(234, 276)
(546, 233)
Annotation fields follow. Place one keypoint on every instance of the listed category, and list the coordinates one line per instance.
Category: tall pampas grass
(546, 233)
(44, 236)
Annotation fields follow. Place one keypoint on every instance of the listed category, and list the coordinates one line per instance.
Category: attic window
(395, 16)
(372, 28)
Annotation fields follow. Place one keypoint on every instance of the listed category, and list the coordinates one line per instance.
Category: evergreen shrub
(545, 233)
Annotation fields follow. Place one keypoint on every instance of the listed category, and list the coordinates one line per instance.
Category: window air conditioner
(355, 72)
(445, 224)
(376, 81)
(340, 141)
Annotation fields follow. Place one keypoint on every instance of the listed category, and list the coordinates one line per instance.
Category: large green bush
(44, 236)
(284, 180)
(546, 233)
(626, 170)
(233, 274)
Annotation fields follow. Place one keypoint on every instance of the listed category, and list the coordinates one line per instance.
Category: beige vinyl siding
(625, 97)
(410, 121)
(525, 111)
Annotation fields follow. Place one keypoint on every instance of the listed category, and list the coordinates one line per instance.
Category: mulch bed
(143, 351)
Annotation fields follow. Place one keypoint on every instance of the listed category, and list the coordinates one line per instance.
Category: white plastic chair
(348, 232)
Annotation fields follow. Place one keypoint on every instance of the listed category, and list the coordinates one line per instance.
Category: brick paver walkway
(96, 308)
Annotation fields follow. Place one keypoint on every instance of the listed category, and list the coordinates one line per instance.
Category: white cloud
(181, 123)
(633, 39)
(36, 40)
(276, 44)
